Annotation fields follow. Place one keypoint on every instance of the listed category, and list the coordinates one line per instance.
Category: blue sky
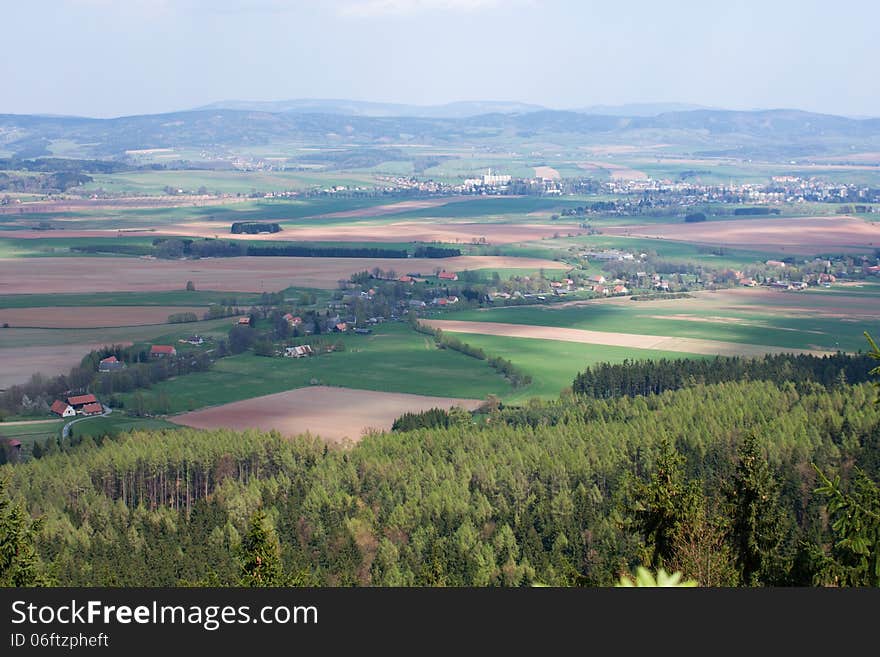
(116, 57)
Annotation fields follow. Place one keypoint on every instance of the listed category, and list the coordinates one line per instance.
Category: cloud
(369, 8)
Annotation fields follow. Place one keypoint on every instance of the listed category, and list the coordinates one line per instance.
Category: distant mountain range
(769, 133)
(459, 110)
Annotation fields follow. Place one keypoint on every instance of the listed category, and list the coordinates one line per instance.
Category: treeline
(716, 481)
(212, 248)
(517, 377)
(140, 372)
(651, 377)
(254, 227)
(755, 211)
(433, 417)
(299, 250)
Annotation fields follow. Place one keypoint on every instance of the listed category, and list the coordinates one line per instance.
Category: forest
(732, 483)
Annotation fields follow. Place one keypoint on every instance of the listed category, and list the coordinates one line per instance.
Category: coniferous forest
(732, 483)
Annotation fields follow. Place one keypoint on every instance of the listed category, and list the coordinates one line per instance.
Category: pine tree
(758, 528)
(20, 564)
(261, 554)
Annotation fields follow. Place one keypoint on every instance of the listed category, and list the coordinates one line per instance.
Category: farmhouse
(79, 401)
(292, 321)
(62, 409)
(598, 279)
(747, 282)
(110, 364)
(621, 289)
(195, 340)
(776, 263)
(244, 321)
(447, 276)
(406, 279)
(162, 351)
(92, 409)
(341, 327)
(298, 352)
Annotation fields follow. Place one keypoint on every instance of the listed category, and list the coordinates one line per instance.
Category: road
(66, 430)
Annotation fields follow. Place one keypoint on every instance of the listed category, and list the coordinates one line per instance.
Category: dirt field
(20, 363)
(633, 340)
(332, 413)
(92, 316)
(617, 171)
(402, 231)
(800, 235)
(247, 274)
(547, 172)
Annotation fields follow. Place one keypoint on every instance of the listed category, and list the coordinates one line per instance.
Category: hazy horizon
(99, 58)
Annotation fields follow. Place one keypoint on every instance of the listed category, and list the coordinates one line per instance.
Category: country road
(65, 431)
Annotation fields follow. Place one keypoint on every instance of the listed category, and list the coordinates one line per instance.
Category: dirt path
(633, 340)
(334, 414)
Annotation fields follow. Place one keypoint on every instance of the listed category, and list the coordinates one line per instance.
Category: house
(598, 278)
(406, 279)
(92, 409)
(243, 321)
(776, 263)
(873, 269)
(292, 321)
(447, 276)
(62, 409)
(601, 289)
(195, 340)
(747, 282)
(110, 364)
(620, 289)
(341, 327)
(416, 303)
(298, 352)
(162, 350)
(78, 401)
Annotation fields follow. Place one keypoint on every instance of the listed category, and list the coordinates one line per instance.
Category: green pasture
(553, 364)
(772, 328)
(394, 359)
(162, 298)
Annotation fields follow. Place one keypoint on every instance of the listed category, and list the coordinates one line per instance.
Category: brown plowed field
(331, 413)
(20, 363)
(247, 274)
(92, 316)
(801, 235)
(633, 340)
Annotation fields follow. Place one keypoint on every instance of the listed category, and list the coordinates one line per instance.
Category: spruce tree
(261, 554)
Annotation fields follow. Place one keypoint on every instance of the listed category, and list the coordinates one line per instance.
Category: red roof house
(447, 276)
(92, 409)
(62, 409)
(162, 350)
(82, 400)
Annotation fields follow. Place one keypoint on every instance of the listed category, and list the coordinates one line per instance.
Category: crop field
(824, 322)
(92, 316)
(31, 431)
(50, 352)
(392, 359)
(806, 235)
(250, 274)
(176, 298)
(553, 364)
(316, 410)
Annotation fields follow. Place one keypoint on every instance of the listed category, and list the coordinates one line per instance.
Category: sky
(106, 58)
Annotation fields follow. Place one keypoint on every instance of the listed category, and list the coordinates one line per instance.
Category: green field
(116, 423)
(771, 328)
(163, 333)
(166, 298)
(394, 359)
(30, 433)
(554, 364)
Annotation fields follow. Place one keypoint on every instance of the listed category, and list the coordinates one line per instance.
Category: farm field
(334, 414)
(812, 321)
(176, 298)
(249, 274)
(392, 359)
(553, 364)
(31, 432)
(50, 352)
(804, 235)
(612, 339)
(92, 316)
